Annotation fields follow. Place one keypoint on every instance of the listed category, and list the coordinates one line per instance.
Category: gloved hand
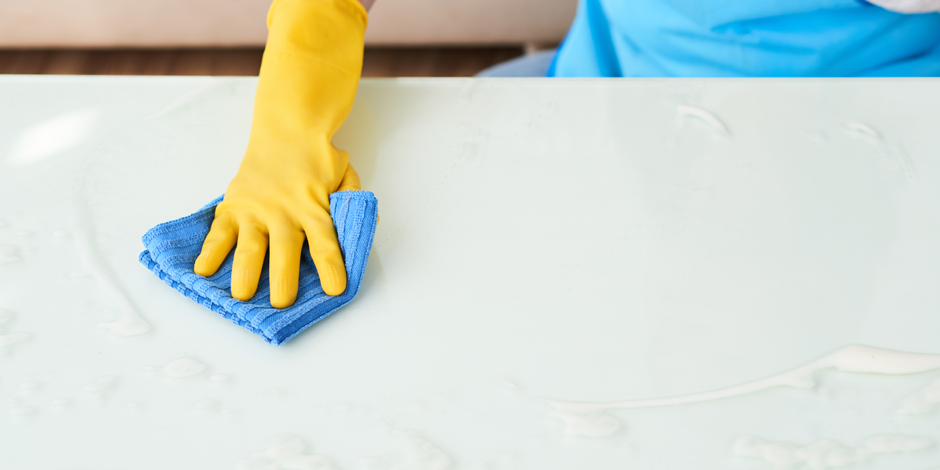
(281, 193)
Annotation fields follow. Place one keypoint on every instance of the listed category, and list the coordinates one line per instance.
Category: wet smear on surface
(8, 341)
(714, 124)
(921, 402)
(827, 453)
(22, 411)
(126, 326)
(509, 384)
(134, 407)
(9, 254)
(75, 274)
(590, 419)
(287, 452)
(416, 454)
(101, 384)
(53, 136)
(863, 131)
(896, 158)
(101, 389)
(585, 423)
(819, 136)
(205, 405)
(6, 316)
(30, 385)
(183, 367)
(185, 100)
(129, 323)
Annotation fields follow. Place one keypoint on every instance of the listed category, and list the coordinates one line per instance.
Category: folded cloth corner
(172, 249)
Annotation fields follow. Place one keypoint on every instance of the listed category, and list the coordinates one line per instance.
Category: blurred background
(415, 38)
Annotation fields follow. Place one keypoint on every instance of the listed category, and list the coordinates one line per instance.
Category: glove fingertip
(333, 280)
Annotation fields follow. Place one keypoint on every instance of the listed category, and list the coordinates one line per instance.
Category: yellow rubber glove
(281, 194)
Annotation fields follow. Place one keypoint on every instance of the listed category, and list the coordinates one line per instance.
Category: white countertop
(578, 240)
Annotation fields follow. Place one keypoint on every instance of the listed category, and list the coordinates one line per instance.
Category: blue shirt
(746, 38)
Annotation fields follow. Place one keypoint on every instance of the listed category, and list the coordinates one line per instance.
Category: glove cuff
(329, 31)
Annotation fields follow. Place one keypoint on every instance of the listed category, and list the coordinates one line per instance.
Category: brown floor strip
(378, 61)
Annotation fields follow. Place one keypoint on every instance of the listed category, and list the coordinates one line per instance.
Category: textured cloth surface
(172, 248)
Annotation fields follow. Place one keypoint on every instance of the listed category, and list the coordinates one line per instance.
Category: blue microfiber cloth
(172, 248)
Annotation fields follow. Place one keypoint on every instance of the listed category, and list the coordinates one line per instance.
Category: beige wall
(143, 23)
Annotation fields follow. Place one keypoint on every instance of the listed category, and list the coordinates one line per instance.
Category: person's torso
(758, 38)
